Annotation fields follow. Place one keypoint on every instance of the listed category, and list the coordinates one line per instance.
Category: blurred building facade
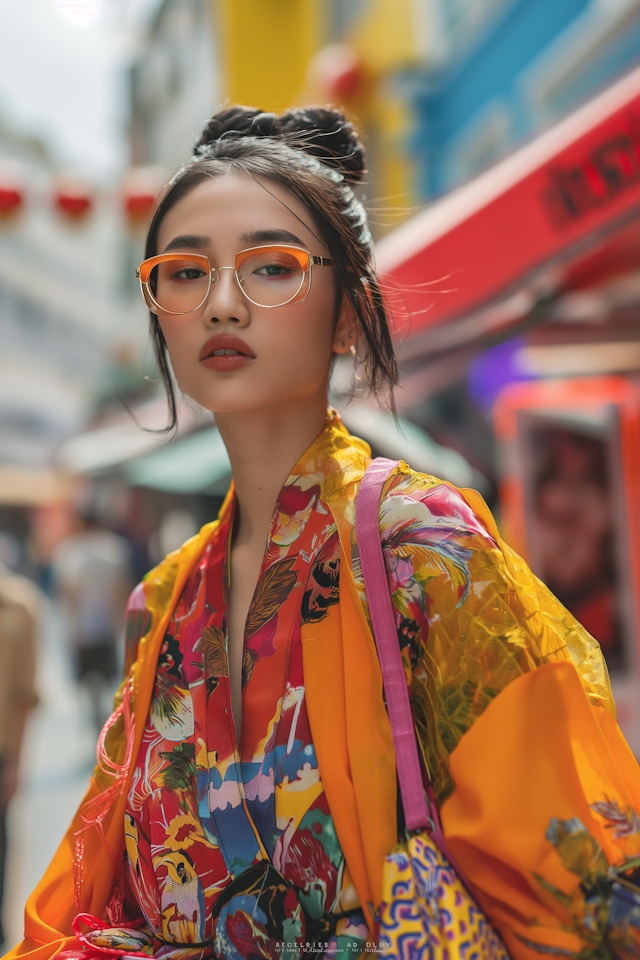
(58, 309)
(445, 88)
(507, 69)
(72, 337)
(174, 83)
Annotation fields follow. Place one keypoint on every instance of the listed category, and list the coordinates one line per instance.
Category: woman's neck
(263, 447)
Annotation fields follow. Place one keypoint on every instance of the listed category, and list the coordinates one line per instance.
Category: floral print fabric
(233, 847)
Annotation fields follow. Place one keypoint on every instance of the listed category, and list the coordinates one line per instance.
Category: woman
(246, 793)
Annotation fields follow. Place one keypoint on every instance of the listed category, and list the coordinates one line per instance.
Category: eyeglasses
(273, 275)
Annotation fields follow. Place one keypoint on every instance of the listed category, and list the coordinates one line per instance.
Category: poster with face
(578, 541)
(570, 503)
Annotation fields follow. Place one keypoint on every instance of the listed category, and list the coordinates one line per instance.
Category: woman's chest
(249, 795)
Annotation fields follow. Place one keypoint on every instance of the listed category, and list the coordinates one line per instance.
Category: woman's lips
(226, 352)
(226, 362)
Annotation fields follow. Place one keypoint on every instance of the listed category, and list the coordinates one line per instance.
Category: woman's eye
(275, 270)
(188, 273)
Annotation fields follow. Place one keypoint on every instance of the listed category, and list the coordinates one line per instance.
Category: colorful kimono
(186, 845)
(204, 818)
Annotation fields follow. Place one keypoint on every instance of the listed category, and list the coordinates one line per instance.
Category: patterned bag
(427, 911)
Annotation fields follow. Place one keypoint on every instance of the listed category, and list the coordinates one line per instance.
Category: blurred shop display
(570, 495)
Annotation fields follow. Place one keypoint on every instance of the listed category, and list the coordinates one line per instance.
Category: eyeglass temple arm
(321, 262)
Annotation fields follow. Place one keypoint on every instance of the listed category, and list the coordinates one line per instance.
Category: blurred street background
(503, 139)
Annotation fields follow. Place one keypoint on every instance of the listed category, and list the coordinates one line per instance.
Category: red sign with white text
(571, 201)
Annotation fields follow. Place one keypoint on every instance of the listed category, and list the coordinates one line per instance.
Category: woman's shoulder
(417, 505)
(440, 543)
(447, 561)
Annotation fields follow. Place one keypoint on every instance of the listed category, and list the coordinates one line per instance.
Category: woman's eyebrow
(257, 237)
(188, 240)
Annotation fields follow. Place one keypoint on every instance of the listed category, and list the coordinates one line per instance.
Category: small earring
(352, 351)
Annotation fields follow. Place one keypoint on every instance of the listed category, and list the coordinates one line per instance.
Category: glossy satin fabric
(512, 706)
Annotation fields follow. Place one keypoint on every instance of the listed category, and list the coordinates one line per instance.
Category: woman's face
(289, 349)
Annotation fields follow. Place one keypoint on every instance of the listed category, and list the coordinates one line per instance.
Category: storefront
(545, 248)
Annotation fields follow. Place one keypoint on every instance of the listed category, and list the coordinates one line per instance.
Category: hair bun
(233, 121)
(321, 132)
(324, 133)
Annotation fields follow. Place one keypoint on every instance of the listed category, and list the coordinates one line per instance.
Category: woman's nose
(226, 301)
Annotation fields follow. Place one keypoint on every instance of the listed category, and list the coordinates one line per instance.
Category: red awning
(563, 211)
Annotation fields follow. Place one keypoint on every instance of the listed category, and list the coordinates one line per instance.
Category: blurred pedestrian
(91, 577)
(19, 616)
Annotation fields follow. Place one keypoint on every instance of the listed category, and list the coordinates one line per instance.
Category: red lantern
(138, 205)
(11, 187)
(11, 200)
(73, 198)
(141, 188)
(338, 70)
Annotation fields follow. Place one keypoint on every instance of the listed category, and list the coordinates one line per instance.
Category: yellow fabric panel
(539, 751)
(369, 737)
(322, 657)
(352, 739)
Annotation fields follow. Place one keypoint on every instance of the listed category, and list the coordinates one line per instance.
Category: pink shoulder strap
(414, 802)
(420, 810)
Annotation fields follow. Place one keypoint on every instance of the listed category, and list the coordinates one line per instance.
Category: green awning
(197, 464)
(402, 440)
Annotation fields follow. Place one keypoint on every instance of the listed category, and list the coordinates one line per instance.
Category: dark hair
(261, 144)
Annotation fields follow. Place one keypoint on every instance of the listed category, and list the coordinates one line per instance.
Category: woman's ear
(346, 332)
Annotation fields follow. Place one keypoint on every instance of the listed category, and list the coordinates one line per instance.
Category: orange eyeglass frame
(304, 258)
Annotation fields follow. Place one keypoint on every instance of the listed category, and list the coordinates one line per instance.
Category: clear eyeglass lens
(271, 277)
(179, 286)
